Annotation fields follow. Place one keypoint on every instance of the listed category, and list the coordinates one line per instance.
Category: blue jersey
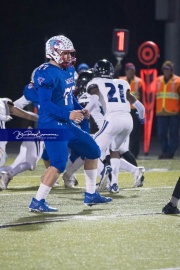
(55, 88)
(31, 94)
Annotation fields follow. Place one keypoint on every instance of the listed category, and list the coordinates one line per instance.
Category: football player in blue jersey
(97, 114)
(55, 83)
(32, 151)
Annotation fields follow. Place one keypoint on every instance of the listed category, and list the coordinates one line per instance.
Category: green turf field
(129, 233)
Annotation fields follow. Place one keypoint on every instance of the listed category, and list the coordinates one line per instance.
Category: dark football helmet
(103, 68)
(82, 82)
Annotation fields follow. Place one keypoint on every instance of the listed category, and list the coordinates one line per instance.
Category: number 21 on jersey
(112, 92)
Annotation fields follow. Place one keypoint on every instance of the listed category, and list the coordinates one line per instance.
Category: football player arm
(98, 117)
(137, 104)
(94, 99)
(22, 113)
(21, 102)
(77, 106)
(45, 95)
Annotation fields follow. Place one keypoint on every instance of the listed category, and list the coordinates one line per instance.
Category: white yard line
(147, 170)
(83, 188)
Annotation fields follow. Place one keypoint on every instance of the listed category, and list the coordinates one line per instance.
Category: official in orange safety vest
(167, 110)
(136, 85)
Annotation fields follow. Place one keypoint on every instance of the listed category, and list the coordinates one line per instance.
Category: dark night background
(26, 25)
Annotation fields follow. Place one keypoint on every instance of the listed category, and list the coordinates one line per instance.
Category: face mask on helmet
(104, 69)
(82, 82)
(61, 50)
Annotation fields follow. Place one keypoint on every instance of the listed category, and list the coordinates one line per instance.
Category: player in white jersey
(115, 98)
(83, 98)
(104, 167)
(6, 108)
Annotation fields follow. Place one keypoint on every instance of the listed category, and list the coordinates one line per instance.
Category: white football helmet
(56, 45)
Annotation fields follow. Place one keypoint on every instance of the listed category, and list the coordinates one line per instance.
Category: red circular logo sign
(148, 53)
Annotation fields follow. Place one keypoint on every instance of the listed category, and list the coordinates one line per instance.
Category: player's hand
(141, 120)
(76, 116)
(86, 113)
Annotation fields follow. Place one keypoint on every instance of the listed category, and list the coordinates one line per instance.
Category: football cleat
(170, 209)
(139, 177)
(95, 198)
(40, 206)
(102, 185)
(75, 180)
(5, 179)
(69, 182)
(114, 188)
